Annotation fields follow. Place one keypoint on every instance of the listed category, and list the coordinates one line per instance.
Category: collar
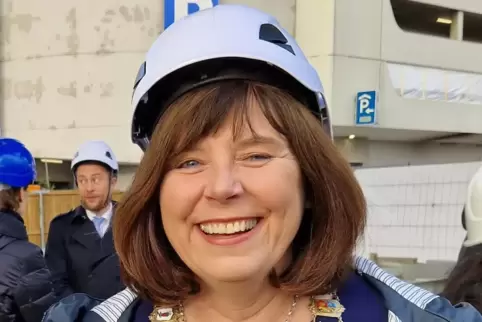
(107, 215)
(80, 212)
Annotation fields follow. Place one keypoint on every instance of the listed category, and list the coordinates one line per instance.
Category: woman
(242, 209)
(25, 287)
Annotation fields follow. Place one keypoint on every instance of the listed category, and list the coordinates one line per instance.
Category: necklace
(326, 305)
(177, 315)
(288, 317)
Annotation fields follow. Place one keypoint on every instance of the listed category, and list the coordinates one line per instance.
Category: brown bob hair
(324, 245)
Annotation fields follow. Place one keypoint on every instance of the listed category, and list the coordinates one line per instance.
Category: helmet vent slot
(272, 34)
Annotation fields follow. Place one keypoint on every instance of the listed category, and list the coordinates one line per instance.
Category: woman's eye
(189, 164)
(259, 157)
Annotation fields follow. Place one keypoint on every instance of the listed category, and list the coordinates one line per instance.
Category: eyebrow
(259, 140)
(243, 143)
(93, 175)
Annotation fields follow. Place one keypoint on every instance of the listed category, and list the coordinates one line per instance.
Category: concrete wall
(68, 69)
(315, 33)
(396, 153)
(67, 77)
(367, 39)
(474, 6)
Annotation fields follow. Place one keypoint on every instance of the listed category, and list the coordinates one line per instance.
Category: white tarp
(422, 83)
(415, 211)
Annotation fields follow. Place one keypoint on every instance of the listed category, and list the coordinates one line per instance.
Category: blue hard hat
(17, 165)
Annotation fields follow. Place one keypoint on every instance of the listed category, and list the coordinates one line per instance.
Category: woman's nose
(223, 185)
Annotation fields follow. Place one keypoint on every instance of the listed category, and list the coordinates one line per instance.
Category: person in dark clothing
(464, 283)
(472, 211)
(26, 290)
(80, 249)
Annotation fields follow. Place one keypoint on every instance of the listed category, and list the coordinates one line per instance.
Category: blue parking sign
(366, 108)
(176, 9)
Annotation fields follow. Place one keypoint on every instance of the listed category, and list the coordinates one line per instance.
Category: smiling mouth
(229, 228)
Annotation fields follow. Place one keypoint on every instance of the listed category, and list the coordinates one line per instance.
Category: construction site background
(414, 227)
(44, 205)
(414, 218)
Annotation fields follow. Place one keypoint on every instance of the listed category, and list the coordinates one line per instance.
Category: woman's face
(231, 207)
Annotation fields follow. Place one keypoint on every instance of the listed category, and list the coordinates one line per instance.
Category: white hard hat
(97, 151)
(226, 42)
(473, 211)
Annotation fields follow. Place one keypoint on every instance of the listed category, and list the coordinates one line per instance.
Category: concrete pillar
(315, 32)
(457, 26)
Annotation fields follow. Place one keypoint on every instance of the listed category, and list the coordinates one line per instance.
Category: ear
(22, 195)
(113, 180)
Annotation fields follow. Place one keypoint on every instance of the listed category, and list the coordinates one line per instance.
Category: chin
(93, 207)
(234, 269)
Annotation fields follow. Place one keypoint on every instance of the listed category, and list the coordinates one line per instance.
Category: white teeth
(228, 228)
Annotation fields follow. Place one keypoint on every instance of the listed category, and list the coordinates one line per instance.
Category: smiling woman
(242, 209)
(245, 154)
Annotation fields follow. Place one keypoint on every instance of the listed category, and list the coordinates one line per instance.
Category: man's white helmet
(473, 211)
(227, 42)
(97, 151)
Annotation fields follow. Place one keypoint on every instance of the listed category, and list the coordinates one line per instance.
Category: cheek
(106, 188)
(177, 202)
(279, 187)
(178, 197)
(280, 191)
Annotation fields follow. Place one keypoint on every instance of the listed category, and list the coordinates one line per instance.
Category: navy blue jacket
(403, 302)
(79, 259)
(26, 291)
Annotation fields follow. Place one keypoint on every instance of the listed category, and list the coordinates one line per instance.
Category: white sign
(177, 9)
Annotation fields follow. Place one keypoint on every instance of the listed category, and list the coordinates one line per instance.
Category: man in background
(80, 249)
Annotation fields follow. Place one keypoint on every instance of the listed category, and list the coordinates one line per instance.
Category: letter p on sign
(176, 9)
